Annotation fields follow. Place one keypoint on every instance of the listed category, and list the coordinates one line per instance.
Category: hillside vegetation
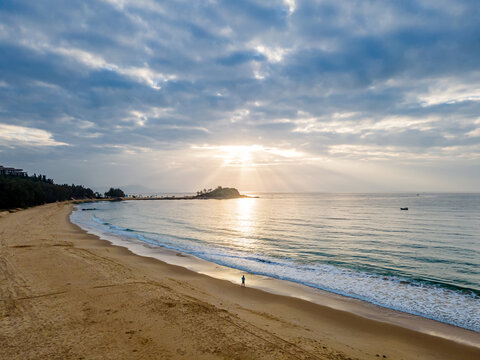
(21, 192)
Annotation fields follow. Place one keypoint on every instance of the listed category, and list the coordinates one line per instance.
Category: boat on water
(405, 208)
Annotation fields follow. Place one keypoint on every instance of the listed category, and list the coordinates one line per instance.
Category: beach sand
(65, 294)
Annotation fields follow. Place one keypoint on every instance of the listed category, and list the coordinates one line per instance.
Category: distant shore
(65, 293)
(187, 197)
(219, 194)
(207, 196)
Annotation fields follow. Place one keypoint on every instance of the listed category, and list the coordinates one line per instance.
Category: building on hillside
(12, 171)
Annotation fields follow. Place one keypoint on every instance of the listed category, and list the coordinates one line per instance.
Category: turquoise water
(424, 261)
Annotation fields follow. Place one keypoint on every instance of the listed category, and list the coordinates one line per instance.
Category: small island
(220, 193)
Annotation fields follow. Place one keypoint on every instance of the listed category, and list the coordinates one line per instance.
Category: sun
(236, 155)
(249, 167)
(250, 156)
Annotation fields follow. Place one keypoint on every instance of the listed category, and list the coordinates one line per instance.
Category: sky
(267, 95)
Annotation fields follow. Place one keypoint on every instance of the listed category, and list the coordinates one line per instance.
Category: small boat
(403, 208)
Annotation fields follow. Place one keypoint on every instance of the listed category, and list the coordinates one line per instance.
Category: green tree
(114, 193)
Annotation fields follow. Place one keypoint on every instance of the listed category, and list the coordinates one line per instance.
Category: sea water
(424, 261)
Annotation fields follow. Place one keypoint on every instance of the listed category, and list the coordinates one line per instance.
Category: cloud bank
(368, 96)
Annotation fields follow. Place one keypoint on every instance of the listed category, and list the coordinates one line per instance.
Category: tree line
(21, 192)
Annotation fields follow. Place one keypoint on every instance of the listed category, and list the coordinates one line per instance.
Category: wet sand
(66, 294)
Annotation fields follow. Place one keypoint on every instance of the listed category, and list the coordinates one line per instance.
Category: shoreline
(292, 289)
(127, 305)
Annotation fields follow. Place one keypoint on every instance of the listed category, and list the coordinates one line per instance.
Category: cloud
(353, 123)
(332, 80)
(141, 74)
(450, 91)
(292, 4)
(12, 135)
(273, 55)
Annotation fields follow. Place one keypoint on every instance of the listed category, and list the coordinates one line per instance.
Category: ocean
(424, 261)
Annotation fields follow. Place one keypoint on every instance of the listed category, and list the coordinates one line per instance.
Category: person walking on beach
(243, 280)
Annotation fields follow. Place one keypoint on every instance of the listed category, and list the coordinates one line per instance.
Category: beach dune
(65, 294)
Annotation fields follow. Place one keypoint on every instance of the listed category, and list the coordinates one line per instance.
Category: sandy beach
(66, 294)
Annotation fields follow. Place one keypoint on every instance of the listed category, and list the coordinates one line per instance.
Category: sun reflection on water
(245, 222)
